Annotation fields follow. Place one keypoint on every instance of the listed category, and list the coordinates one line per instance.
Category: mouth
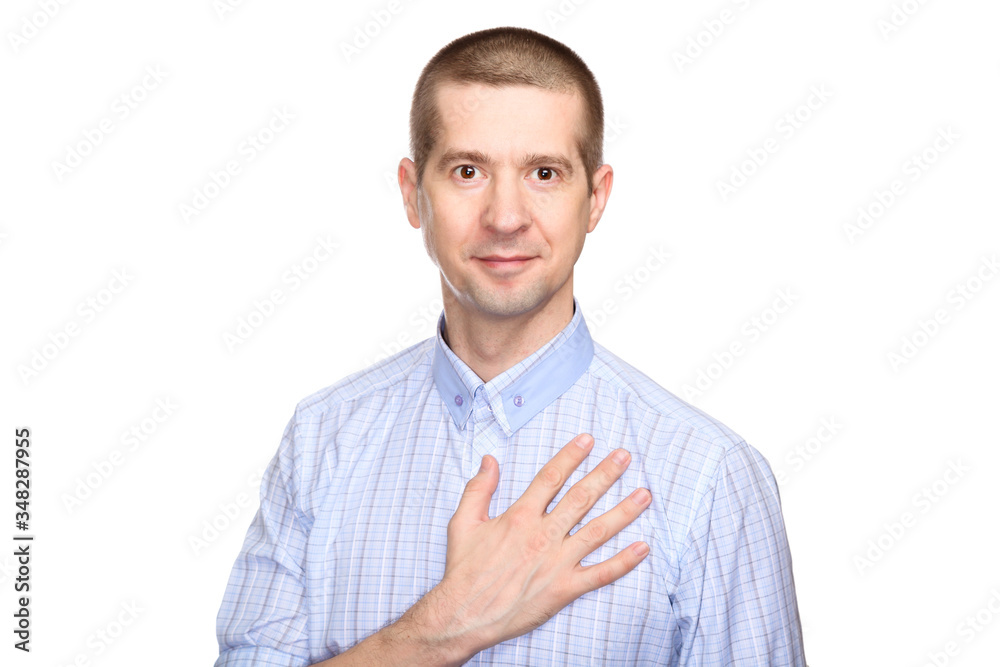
(505, 263)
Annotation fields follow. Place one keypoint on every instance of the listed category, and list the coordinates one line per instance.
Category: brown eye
(544, 174)
(467, 172)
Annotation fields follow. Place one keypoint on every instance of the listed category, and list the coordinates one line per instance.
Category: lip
(498, 262)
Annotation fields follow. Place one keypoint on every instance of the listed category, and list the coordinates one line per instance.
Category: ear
(603, 178)
(406, 174)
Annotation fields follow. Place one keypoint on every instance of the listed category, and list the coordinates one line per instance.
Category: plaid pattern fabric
(354, 507)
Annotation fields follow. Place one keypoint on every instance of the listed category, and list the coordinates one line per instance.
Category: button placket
(486, 436)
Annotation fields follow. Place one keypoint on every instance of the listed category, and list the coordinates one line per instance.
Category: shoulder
(362, 396)
(333, 424)
(401, 372)
(678, 441)
(686, 457)
(654, 407)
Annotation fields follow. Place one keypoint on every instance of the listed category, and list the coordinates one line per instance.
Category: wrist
(431, 630)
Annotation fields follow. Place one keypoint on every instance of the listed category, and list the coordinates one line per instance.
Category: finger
(474, 507)
(583, 495)
(553, 475)
(592, 577)
(598, 531)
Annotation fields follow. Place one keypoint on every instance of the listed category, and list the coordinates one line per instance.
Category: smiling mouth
(500, 262)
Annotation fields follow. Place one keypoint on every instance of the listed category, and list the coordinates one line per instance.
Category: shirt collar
(525, 389)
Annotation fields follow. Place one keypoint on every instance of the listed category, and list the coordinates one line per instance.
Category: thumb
(474, 507)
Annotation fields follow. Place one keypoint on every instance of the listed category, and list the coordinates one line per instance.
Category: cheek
(445, 237)
(576, 220)
(463, 207)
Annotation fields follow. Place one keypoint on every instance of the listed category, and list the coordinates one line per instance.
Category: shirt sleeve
(735, 601)
(263, 617)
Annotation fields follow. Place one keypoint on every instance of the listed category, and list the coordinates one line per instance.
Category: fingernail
(584, 441)
(484, 465)
(620, 457)
(640, 549)
(640, 497)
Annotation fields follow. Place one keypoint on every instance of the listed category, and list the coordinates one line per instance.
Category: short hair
(502, 57)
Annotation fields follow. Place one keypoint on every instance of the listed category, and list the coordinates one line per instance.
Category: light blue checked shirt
(354, 508)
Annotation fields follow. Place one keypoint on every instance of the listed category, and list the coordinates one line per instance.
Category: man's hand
(508, 575)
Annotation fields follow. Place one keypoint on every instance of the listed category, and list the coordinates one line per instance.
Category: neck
(489, 345)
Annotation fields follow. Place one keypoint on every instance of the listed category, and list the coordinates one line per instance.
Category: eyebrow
(530, 160)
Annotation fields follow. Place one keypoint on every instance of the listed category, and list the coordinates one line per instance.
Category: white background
(676, 130)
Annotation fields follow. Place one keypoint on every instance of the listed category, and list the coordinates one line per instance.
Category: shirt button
(518, 401)
(458, 400)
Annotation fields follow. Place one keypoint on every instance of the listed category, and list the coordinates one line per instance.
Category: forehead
(515, 119)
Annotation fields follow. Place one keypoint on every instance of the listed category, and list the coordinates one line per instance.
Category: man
(664, 546)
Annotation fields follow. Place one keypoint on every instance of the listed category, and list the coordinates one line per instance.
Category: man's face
(504, 204)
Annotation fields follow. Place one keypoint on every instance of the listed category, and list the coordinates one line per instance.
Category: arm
(735, 603)
(262, 620)
(508, 575)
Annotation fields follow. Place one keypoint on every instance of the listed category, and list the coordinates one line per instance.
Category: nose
(508, 206)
